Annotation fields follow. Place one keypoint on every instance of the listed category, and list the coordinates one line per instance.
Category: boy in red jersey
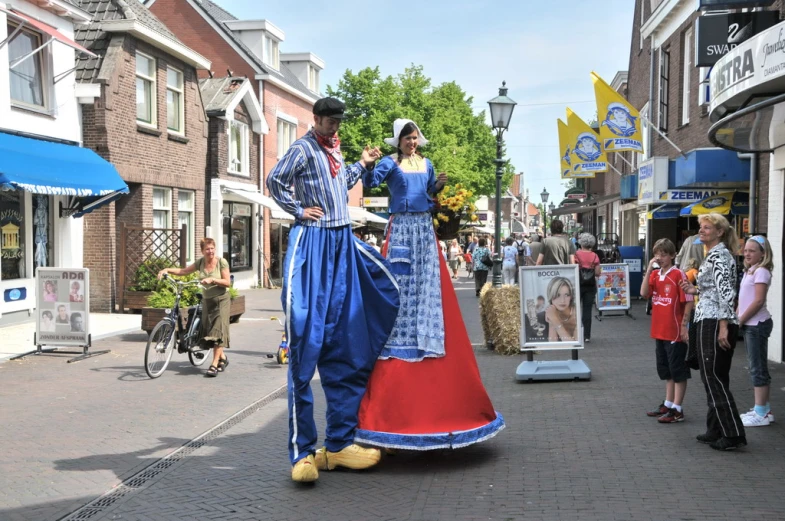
(670, 317)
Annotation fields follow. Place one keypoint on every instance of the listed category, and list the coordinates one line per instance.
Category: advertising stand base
(84, 353)
(575, 369)
(626, 313)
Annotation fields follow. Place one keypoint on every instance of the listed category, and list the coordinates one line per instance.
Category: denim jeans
(756, 338)
(588, 295)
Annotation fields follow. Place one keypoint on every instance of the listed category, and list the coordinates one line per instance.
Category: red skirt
(432, 404)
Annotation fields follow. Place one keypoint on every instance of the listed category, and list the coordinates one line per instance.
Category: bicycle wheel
(195, 355)
(160, 347)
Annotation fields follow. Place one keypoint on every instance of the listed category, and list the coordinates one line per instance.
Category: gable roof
(112, 16)
(220, 16)
(222, 95)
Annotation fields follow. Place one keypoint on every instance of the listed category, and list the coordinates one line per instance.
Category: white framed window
(665, 66)
(640, 25)
(686, 61)
(162, 208)
(287, 134)
(185, 216)
(145, 89)
(28, 79)
(175, 105)
(238, 148)
(313, 78)
(271, 56)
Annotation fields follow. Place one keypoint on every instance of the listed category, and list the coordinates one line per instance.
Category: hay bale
(501, 318)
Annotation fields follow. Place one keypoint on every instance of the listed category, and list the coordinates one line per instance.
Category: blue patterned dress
(413, 252)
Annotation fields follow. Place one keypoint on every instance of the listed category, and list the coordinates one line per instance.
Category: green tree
(460, 142)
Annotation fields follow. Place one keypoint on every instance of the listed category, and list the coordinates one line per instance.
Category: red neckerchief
(332, 146)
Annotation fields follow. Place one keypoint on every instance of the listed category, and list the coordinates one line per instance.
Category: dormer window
(313, 78)
(271, 57)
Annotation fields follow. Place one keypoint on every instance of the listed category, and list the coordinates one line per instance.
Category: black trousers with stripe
(715, 362)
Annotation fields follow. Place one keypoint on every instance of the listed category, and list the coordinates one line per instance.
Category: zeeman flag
(586, 153)
(564, 150)
(620, 126)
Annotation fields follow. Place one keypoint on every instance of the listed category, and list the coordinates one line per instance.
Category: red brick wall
(143, 159)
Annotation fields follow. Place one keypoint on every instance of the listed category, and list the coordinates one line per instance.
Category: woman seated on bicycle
(214, 276)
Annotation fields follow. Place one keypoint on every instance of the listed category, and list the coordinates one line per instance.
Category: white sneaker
(769, 415)
(755, 420)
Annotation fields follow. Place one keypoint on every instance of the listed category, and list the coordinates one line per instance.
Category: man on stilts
(339, 296)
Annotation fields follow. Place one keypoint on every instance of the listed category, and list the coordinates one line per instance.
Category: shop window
(12, 235)
(27, 77)
(42, 226)
(174, 100)
(238, 148)
(287, 134)
(237, 236)
(145, 89)
(185, 216)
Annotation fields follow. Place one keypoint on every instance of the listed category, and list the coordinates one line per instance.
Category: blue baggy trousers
(340, 301)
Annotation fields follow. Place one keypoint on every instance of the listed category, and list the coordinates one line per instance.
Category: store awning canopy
(725, 203)
(47, 168)
(477, 229)
(666, 211)
(363, 216)
(256, 197)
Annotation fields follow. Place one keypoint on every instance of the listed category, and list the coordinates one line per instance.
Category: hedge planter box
(151, 316)
(136, 300)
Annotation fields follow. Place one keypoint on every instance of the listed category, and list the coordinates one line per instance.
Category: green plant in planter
(146, 276)
(163, 297)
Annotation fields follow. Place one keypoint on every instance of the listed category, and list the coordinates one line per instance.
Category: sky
(544, 50)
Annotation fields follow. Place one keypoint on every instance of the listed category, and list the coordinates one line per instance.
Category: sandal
(212, 371)
(223, 363)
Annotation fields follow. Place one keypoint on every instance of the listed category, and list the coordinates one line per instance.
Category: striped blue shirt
(302, 179)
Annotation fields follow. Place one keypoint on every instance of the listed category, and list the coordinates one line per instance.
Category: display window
(12, 227)
(237, 236)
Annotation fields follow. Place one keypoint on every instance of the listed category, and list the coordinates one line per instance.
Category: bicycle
(169, 332)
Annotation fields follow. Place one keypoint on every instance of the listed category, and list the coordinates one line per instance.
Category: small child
(671, 309)
(467, 258)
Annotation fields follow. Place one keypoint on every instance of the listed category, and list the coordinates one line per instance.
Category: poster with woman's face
(550, 308)
(63, 306)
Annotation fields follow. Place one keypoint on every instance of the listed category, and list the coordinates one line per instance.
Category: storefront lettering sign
(684, 196)
(652, 178)
(733, 71)
(61, 190)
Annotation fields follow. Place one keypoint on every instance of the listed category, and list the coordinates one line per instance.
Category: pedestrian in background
(671, 309)
(717, 329)
(558, 248)
(757, 324)
(509, 262)
(454, 257)
(589, 268)
(535, 245)
(480, 269)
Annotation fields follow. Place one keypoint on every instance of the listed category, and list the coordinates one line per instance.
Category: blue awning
(666, 211)
(47, 168)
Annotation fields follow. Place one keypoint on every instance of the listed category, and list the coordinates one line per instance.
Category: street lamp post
(501, 108)
(544, 196)
(551, 207)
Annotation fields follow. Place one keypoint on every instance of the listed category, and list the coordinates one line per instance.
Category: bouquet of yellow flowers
(454, 206)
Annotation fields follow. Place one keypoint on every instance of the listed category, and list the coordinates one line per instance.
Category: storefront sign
(63, 312)
(613, 288)
(718, 34)
(757, 65)
(684, 196)
(652, 179)
(376, 202)
(241, 210)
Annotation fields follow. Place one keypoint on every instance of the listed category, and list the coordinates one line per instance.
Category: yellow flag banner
(586, 155)
(620, 128)
(564, 150)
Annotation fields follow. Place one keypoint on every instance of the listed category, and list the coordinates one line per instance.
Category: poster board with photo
(550, 308)
(63, 312)
(613, 287)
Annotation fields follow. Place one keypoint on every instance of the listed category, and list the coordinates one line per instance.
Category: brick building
(149, 121)
(286, 85)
